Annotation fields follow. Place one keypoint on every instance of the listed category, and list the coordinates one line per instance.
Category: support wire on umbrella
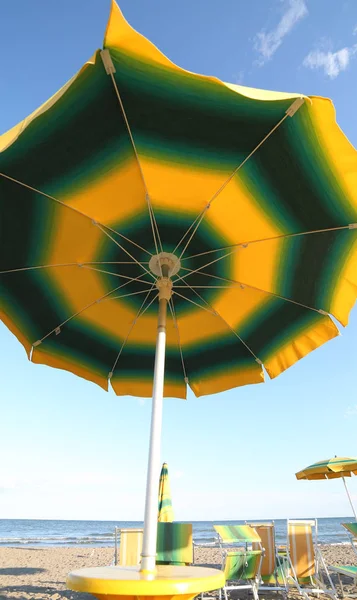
(224, 321)
(196, 223)
(75, 264)
(57, 329)
(270, 239)
(29, 187)
(199, 270)
(126, 251)
(212, 312)
(211, 287)
(116, 274)
(110, 70)
(173, 314)
(242, 284)
(138, 315)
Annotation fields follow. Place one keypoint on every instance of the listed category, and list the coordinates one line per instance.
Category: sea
(37, 533)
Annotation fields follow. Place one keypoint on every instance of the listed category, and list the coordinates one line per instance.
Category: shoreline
(33, 573)
(29, 546)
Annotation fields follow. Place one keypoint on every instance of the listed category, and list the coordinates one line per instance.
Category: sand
(40, 573)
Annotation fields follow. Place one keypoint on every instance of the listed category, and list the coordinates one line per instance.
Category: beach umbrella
(165, 512)
(158, 221)
(338, 466)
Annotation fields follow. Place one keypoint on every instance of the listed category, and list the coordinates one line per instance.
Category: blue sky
(69, 450)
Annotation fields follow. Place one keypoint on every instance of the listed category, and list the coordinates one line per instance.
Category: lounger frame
(317, 584)
(252, 584)
(278, 564)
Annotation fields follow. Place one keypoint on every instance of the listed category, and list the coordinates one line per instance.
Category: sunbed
(307, 566)
(241, 565)
(174, 544)
(273, 570)
(131, 541)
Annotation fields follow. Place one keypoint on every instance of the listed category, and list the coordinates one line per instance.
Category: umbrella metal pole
(349, 497)
(151, 503)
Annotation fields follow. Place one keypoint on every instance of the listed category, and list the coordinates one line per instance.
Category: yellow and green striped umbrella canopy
(165, 513)
(254, 191)
(339, 466)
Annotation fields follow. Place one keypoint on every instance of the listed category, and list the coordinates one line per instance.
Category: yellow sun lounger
(242, 565)
(307, 566)
(131, 541)
(273, 570)
(347, 570)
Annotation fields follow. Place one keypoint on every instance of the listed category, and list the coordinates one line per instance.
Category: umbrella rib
(195, 303)
(207, 264)
(174, 318)
(154, 227)
(138, 315)
(72, 264)
(33, 268)
(113, 262)
(126, 252)
(145, 291)
(57, 329)
(269, 239)
(225, 322)
(116, 274)
(196, 223)
(29, 187)
(242, 284)
(208, 287)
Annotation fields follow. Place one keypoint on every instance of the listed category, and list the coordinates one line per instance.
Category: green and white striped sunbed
(241, 566)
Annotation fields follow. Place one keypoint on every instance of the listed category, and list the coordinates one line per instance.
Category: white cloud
(267, 42)
(332, 63)
(351, 411)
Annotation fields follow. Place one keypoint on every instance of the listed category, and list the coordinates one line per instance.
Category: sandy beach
(40, 573)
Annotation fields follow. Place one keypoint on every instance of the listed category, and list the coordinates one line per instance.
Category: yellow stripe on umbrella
(165, 513)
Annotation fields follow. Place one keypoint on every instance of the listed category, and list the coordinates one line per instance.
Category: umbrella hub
(164, 264)
(164, 285)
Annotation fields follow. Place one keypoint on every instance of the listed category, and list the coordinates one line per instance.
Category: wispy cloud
(7, 483)
(332, 63)
(355, 31)
(266, 43)
(351, 411)
(239, 78)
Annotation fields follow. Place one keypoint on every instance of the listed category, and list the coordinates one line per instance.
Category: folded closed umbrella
(165, 513)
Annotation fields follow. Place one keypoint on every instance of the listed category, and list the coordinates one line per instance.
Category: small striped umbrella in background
(165, 513)
(339, 466)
